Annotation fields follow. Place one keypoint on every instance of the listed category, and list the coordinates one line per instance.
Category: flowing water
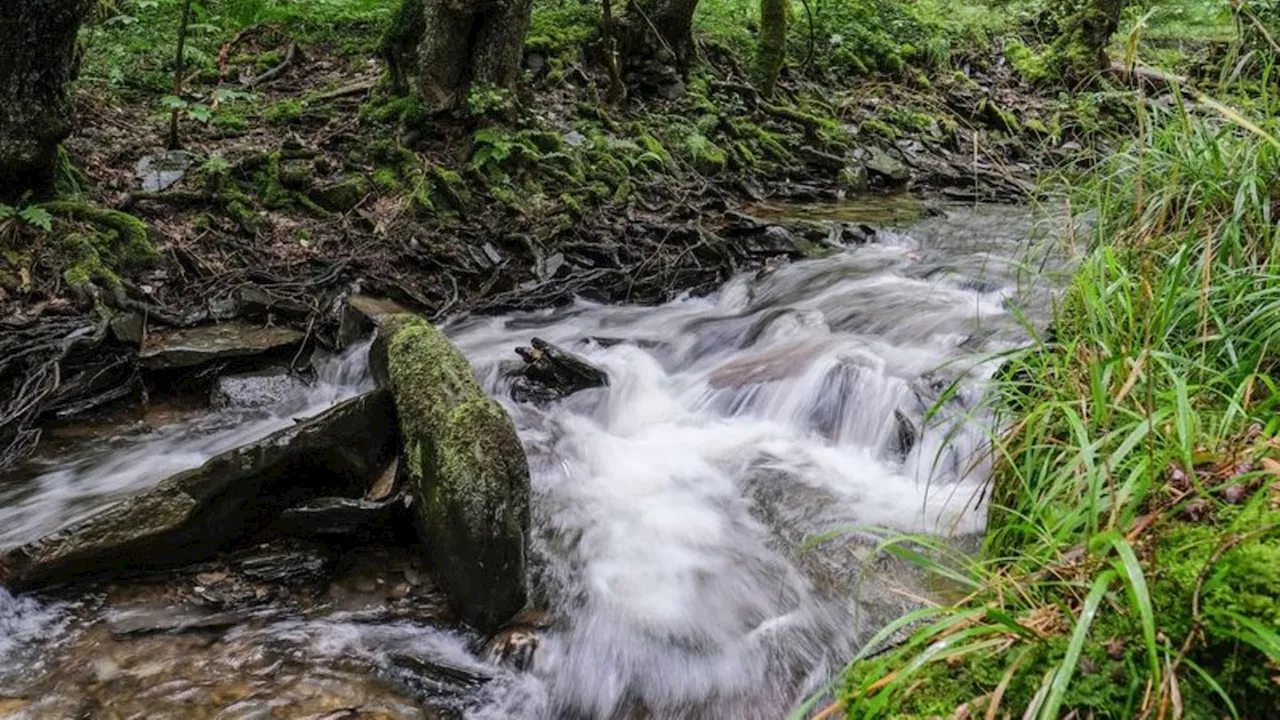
(672, 509)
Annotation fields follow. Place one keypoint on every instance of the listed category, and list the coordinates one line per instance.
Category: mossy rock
(343, 195)
(467, 470)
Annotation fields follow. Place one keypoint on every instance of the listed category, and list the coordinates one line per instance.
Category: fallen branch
(354, 88)
(291, 57)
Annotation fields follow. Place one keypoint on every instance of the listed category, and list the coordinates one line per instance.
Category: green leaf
(489, 136)
(7, 212)
(1062, 678)
(1131, 570)
(173, 102)
(1265, 639)
(36, 216)
(202, 113)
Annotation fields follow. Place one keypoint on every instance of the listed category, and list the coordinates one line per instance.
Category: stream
(672, 510)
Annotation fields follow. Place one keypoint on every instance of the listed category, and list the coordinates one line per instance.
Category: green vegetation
(1129, 566)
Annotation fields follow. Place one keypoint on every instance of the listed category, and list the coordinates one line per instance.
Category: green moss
(124, 241)
(69, 180)
(284, 112)
(1031, 66)
(449, 186)
(881, 128)
(561, 31)
(343, 195)
(85, 259)
(270, 191)
(467, 469)
(387, 180)
(707, 157)
(391, 110)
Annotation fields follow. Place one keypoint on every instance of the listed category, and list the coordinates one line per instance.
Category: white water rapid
(672, 508)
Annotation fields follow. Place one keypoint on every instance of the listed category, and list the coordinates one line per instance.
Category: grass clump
(1129, 568)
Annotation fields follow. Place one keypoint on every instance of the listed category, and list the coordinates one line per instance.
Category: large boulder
(191, 515)
(467, 470)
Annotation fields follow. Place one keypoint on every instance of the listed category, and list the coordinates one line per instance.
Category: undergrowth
(1130, 565)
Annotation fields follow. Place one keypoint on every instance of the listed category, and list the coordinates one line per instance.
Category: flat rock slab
(361, 315)
(195, 346)
(192, 515)
(337, 517)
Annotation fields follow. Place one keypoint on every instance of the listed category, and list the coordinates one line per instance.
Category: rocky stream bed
(592, 511)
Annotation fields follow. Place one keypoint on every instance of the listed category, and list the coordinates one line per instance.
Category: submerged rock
(195, 346)
(271, 387)
(551, 372)
(195, 513)
(467, 470)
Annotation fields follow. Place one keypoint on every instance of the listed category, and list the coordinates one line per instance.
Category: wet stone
(284, 566)
(360, 316)
(338, 517)
(194, 514)
(551, 372)
(128, 328)
(195, 346)
(163, 170)
(173, 619)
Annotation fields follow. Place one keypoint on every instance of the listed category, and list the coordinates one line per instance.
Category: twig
(179, 64)
(354, 88)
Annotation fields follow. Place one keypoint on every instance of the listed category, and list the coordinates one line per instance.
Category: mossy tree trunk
(37, 49)
(450, 46)
(773, 44)
(657, 40)
(1085, 29)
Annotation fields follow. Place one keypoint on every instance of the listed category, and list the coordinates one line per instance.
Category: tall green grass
(1132, 562)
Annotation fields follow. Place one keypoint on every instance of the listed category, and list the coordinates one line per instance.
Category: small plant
(203, 112)
(492, 147)
(32, 215)
(484, 100)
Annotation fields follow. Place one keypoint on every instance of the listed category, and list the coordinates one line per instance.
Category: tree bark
(773, 44)
(37, 43)
(447, 46)
(664, 26)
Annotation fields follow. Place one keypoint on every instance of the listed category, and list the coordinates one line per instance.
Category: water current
(672, 509)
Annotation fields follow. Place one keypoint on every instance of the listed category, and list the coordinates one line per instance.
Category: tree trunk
(773, 44)
(1085, 30)
(448, 46)
(657, 41)
(37, 43)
